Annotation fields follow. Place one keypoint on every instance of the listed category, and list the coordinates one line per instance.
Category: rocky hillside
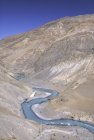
(58, 55)
(59, 49)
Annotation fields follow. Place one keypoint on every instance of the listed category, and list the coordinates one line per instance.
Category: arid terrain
(60, 56)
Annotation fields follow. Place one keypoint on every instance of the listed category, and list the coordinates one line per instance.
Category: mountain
(58, 55)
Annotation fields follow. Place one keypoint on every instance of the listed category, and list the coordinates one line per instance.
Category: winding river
(30, 114)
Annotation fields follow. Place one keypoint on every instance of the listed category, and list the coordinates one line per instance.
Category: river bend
(30, 114)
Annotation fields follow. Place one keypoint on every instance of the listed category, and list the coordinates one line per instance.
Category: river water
(30, 114)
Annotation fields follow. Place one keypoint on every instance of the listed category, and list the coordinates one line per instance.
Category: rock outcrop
(58, 55)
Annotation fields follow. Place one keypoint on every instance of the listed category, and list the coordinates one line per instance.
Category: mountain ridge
(58, 55)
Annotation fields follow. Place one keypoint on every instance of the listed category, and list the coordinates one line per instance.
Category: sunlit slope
(58, 55)
(58, 51)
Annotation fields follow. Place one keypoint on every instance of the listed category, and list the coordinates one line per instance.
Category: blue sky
(17, 16)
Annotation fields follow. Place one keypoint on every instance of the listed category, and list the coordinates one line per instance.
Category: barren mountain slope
(58, 55)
